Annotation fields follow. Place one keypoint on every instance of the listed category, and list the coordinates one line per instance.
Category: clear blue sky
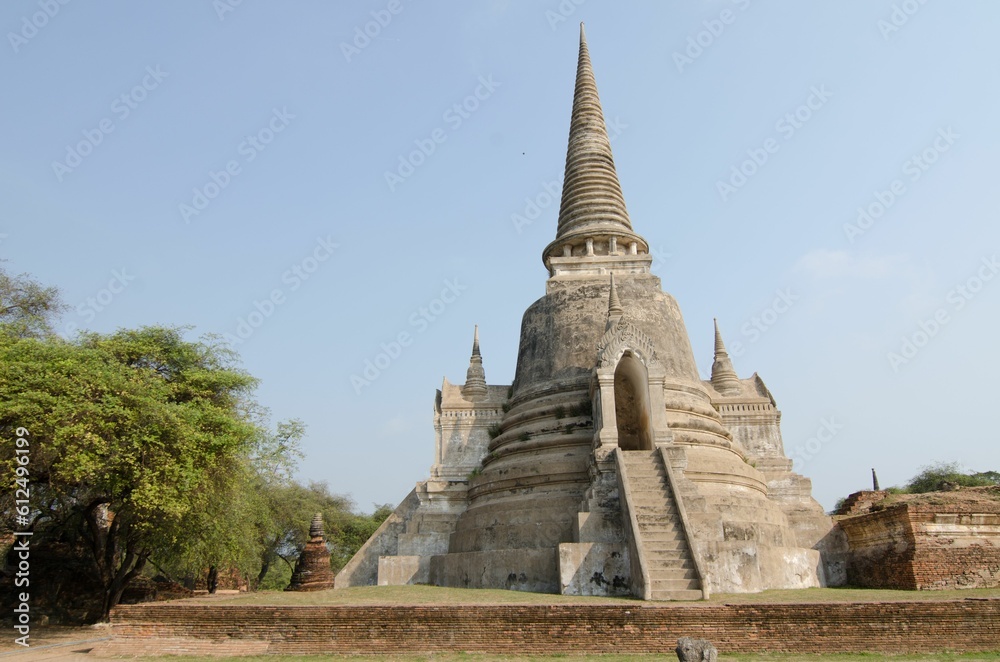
(115, 112)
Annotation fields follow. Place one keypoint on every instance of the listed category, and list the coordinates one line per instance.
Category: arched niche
(632, 411)
(628, 383)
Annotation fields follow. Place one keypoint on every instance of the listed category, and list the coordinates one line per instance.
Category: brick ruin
(312, 570)
(938, 540)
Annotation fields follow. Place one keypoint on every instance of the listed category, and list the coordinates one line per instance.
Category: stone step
(650, 532)
(674, 555)
(673, 575)
(665, 520)
(655, 509)
(654, 506)
(646, 474)
(656, 542)
(650, 489)
(657, 495)
(642, 513)
(675, 585)
(658, 522)
(644, 510)
(658, 574)
(652, 499)
(651, 538)
(689, 594)
(650, 484)
(638, 456)
(678, 557)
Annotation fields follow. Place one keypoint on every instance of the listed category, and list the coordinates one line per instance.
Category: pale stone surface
(593, 568)
(362, 569)
(401, 570)
(423, 524)
(752, 416)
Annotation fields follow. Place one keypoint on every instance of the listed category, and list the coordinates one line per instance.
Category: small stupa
(312, 570)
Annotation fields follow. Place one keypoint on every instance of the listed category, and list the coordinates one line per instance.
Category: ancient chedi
(312, 570)
(608, 467)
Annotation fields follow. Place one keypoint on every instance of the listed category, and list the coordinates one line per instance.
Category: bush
(931, 476)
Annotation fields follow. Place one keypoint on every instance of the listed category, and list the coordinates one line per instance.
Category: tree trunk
(264, 567)
(130, 567)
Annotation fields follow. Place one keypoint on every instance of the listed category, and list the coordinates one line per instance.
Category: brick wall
(925, 546)
(961, 625)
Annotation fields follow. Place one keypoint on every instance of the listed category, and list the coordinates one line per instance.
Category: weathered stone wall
(362, 569)
(560, 331)
(461, 429)
(925, 546)
(894, 627)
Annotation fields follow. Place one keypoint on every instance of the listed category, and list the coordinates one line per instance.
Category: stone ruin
(696, 650)
(608, 467)
(312, 569)
(938, 540)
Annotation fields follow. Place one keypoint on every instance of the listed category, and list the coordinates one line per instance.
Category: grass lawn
(435, 595)
(459, 657)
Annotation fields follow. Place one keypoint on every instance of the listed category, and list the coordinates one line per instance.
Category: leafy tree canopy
(26, 307)
(133, 435)
(146, 447)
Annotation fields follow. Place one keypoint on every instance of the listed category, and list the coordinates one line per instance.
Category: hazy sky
(820, 176)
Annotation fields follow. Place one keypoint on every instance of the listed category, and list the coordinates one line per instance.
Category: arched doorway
(632, 404)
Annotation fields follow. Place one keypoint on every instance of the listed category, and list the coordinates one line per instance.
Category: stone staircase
(661, 536)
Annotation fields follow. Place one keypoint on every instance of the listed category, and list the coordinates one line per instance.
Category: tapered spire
(615, 310)
(724, 377)
(593, 220)
(614, 305)
(475, 377)
(316, 526)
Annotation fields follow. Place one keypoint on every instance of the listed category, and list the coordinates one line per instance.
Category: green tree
(352, 531)
(293, 508)
(27, 308)
(245, 486)
(931, 476)
(134, 437)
